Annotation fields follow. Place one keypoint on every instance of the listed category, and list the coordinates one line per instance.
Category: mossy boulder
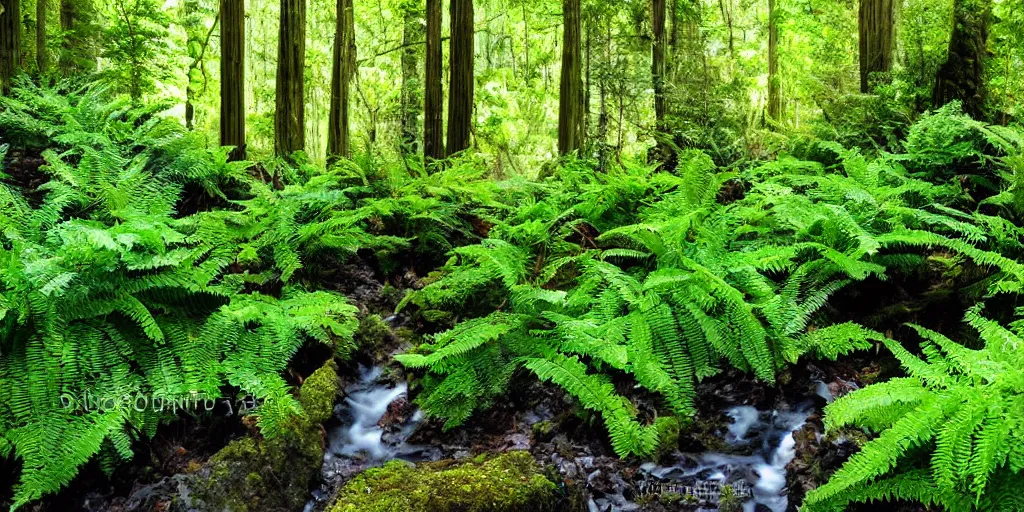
(372, 335)
(269, 474)
(510, 482)
(318, 392)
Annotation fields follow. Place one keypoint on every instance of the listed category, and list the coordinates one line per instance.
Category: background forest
(604, 243)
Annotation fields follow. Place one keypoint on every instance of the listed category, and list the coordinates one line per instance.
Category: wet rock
(509, 482)
(397, 414)
(267, 474)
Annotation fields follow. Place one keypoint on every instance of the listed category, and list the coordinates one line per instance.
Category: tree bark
(412, 97)
(875, 24)
(460, 89)
(962, 76)
(658, 70)
(774, 86)
(433, 101)
(10, 42)
(42, 57)
(232, 72)
(67, 26)
(289, 118)
(338, 140)
(570, 104)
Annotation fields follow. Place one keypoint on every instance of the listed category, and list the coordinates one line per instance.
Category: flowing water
(359, 441)
(759, 444)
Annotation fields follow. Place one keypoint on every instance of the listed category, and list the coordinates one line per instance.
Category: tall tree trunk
(875, 23)
(232, 72)
(290, 118)
(570, 104)
(67, 26)
(412, 97)
(962, 76)
(433, 100)
(338, 143)
(42, 57)
(658, 72)
(460, 89)
(588, 30)
(774, 86)
(10, 42)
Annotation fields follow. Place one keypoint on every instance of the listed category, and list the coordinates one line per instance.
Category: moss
(256, 474)
(543, 430)
(318, 393)
(509, 482)
(372, 334)
(668, 435)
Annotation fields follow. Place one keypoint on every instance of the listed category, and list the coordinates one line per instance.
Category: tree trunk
(42, 58)
(232, 72)
(338, 143)
(875, 23)
(289, 118)
(962, 77)
(412, 97)
(774, 86)
(658, 73)
(10, 42)
(67, 26)
(587, 84)
(433, 101)
(570, 104)
(460, 89)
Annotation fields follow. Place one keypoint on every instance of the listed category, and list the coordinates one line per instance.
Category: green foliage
(114, 310)
(961, 405)
(579, 288)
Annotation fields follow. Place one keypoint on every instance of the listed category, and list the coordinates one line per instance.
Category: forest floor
(541, 419)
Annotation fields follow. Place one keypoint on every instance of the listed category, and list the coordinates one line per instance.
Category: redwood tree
(433, 100)
(289, 117)
(460, 89)
(658, 69)
(570, 103)
(10, 42)
(875, 23)
(232, 72)
(341, 77)
(774, 85)
(962, 76)
(412, 91)
(42, 58)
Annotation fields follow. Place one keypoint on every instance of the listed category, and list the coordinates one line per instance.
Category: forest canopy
(602, 213)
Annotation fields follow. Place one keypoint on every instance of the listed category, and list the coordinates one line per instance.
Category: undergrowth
(138, 261)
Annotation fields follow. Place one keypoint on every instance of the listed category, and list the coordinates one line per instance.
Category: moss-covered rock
(668, 436)
(373, 335)
(510, 482)
(318, 393)
(269, 474)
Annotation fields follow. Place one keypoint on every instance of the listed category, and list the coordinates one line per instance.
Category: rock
(509, 482)
(268, 474)
(398, 412)
(373, 337)
(318, 393)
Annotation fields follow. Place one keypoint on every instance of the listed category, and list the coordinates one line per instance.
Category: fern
(962, 405)
(105, 292)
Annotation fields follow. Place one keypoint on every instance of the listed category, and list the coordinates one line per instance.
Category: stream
(358, 440)
(760, 446)
(374, 422)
